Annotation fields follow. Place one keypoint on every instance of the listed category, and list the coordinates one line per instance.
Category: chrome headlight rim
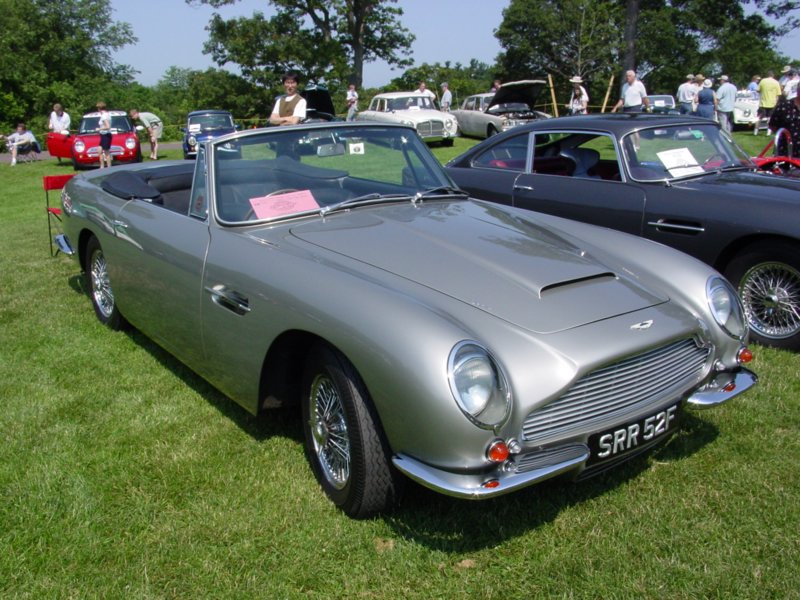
(130, 143)
(467, 358)
(79, 146)
(726, 307)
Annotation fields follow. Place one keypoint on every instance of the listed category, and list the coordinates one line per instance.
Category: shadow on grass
(281, 422)
(452, 525)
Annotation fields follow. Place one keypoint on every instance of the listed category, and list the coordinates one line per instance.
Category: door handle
(528, 188)
(229, 299)
(662, 224)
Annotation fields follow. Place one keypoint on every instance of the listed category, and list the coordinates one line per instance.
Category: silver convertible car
(471, 347)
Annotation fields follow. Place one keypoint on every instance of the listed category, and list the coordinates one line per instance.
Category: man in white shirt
(423, 89)
(790, 87)
(290, 109)
(686, 94)
(20, 142)
(726, 98)
(634, 95)
(447, 97)
(352, 102)
(59, 120)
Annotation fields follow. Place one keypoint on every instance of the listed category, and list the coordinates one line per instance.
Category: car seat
(585, 159)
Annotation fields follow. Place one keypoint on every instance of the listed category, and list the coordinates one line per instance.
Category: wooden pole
(552, 94)
(608, 93)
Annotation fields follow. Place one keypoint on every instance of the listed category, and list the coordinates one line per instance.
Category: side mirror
(140, 128)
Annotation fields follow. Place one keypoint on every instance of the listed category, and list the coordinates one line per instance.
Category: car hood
(506, 265)
(755, 186)
(318, 100)
(526, 92)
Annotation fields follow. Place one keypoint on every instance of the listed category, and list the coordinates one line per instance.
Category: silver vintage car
(471, 347)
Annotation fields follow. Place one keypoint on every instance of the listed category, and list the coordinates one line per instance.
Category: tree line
(61, 51)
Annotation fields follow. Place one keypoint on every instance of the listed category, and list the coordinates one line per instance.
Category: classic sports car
(416, 110)
(83, 149)
(474, 348)
(663, 104)
(484, 115)
(680, 181)
(745, 108)
(204, 125)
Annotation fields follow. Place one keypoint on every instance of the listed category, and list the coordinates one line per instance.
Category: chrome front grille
(607, 394)
(430, 128)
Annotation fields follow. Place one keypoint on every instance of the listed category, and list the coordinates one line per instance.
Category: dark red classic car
(83, 149)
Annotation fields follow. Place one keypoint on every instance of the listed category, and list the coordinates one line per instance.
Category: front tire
(344, 442)
(99, 286)
(767, 278)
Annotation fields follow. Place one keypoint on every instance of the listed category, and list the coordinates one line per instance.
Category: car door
(59, 145)
(558, 183)
(156, 268)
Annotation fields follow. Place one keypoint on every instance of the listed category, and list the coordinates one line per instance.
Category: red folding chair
(53, 182)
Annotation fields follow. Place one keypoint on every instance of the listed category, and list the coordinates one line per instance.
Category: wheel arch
(746, 244)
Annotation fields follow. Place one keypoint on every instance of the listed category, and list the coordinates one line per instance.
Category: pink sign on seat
(278, 205)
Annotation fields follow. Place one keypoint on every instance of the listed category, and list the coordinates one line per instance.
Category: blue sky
(171, 32)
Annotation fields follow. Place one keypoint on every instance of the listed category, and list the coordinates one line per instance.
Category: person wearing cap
(769, 90)
(726, 98)
(447, 97)
(687, 92)
(785, 74)
(634, 95)
(706, 100)
(579, 102)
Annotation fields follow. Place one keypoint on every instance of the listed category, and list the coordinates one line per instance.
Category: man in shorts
(104, 129)
(154, 128)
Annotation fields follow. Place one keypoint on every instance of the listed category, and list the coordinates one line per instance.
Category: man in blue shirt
(726, 98)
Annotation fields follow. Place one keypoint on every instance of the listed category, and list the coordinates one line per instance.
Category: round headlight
(725, 307)
(192, 141)
(130, 143)
(478, 385)
(79, 146)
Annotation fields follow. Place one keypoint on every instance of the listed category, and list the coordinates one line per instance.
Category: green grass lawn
(123, 475)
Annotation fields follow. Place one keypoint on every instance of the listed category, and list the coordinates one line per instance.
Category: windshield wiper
(366, 198)
(442, 190)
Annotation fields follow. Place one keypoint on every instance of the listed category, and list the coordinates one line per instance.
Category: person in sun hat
(687, 92)
(579, 102)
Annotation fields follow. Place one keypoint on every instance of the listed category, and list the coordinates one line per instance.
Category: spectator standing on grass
(579, 102)
(289, 109)
(352, 102)
(59, 120)
(769, 90)
(634, 95)
(787, 115)
(687, 92)
(726, 98)
(706, 101)
(104, 129)
(791, 85)
(753, 86)
(154, 127)
(447, 97)
(423, 90)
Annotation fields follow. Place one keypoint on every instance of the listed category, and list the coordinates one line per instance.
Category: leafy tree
(327, 40)
(58, 52)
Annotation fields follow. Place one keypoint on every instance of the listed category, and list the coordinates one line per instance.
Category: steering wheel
(251, 213)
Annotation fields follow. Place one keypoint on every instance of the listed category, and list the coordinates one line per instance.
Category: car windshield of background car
(676, 152)
(210, 122)
(285, 174)
(118, 123)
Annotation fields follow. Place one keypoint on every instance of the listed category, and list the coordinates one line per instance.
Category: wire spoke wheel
(770, 292)
(101, 284)
(329, 432)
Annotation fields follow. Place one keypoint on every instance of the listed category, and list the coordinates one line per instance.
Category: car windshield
(119, 123)
(679, 151)
(291, 171)
(414, 102)
(210, 122)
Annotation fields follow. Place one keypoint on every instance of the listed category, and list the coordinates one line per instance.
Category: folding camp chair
(53, 182)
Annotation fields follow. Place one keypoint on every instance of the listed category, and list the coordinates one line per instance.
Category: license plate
(622, 439)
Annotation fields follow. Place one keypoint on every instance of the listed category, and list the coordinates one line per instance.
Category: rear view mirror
(330, 150)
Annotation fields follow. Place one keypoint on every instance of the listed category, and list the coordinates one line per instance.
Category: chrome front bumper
(572, 456)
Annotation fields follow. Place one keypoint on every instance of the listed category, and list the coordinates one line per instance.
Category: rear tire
(490, 131)
(344, 441)
(99, 286)
(767, 277)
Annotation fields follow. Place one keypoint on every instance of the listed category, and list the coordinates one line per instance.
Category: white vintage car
(745, 110)
(483, 115)
(415, 109)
